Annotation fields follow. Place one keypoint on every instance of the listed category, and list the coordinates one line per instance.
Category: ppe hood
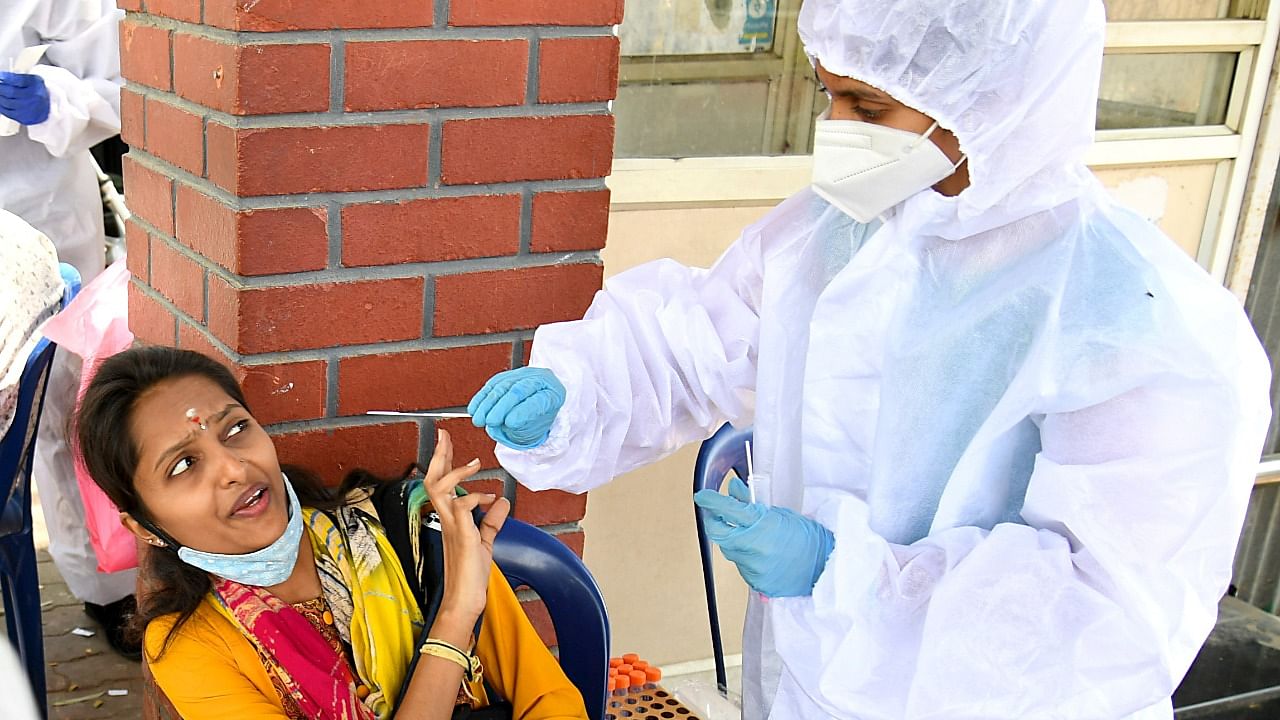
(1015, 80)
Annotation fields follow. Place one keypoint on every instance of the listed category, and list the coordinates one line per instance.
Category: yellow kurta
(212, 672)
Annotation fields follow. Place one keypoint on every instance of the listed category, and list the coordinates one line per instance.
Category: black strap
(501, 710)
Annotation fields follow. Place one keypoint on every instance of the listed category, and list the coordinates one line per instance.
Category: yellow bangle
(469, 663)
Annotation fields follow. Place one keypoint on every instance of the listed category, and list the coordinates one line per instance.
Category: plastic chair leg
(10, 618)
(22, 609)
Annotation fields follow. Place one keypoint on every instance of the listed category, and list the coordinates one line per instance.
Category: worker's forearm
(433, 690)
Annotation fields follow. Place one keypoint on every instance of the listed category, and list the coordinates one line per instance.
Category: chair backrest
(18, 444)
(529, 556)
(722, 452)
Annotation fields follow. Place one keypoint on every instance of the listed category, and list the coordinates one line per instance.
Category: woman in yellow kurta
(271, 597)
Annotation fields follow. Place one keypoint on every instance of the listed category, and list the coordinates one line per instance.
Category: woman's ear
(143, 534)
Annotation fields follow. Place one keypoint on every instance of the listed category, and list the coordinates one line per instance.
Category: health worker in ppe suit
(57, 110)
(1005, 429)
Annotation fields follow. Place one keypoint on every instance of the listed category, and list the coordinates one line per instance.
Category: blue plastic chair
(722, 452)
(529, 556)
(18, 579)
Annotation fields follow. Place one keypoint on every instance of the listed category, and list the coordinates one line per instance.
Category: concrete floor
(82, 672)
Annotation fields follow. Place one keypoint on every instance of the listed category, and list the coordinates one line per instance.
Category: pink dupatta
(317, 678)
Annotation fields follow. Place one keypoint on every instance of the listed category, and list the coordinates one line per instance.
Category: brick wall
(368, 206)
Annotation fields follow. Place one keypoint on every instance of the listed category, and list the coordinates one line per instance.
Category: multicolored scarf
(374, 612)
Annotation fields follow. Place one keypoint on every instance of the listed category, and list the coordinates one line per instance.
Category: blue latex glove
(779, 552)
(517, 407)
(24, 98)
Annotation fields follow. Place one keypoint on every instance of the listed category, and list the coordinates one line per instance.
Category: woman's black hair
(101, 429)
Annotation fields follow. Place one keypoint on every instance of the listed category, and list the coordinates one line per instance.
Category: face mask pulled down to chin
(864, 170)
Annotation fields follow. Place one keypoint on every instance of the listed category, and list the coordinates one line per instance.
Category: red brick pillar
(368, 206)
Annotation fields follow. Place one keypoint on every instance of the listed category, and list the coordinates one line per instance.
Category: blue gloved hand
(517, 407)
(24, 98)
(779, 552)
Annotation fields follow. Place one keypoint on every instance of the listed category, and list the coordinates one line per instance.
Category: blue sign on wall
(757, 31)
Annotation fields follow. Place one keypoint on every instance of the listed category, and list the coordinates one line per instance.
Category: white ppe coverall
(1030, 420)
(46, 179)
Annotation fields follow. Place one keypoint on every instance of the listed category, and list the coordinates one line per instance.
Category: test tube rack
(634, 693)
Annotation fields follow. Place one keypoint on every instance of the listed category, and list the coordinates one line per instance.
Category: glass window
(707, 78)
(1185, 9)
(699, 27)
(1166, 90)
(713, 78)
(715, 119)
(1167, 9)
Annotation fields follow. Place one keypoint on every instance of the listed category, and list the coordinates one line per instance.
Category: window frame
(1268, 472)
(1246, 149)
(642, 183)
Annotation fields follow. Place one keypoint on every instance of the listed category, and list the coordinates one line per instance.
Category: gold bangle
(469, 663)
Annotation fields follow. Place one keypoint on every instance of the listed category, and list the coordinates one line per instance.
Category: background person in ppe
(1005, 433)
(64, 106)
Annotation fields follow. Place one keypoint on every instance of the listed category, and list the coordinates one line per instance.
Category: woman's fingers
(441, 458)
(493, 520)
(461, 507)
(444, 487)
(456, 520)
(442, 491)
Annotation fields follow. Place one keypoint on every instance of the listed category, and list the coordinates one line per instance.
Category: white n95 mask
(865, 169)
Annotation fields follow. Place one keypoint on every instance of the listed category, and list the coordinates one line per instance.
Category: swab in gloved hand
(404, 413)
(517, 407)
(19, 68)
(779, 552)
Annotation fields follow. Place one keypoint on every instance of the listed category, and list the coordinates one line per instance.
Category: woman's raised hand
(468, 548)
(468, 558)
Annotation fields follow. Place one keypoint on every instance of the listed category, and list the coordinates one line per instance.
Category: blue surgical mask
(269, 566)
